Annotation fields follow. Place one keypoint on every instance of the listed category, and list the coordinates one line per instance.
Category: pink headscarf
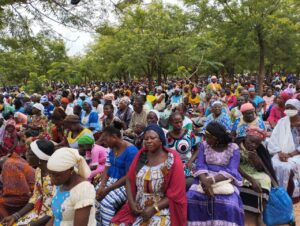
(247, 107)
(257, 132)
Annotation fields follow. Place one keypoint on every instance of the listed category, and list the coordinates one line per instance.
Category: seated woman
(277, 110)
(37, 124)
(89, 118)
(248, 119)
(217, 115)
(17, 178)
(111, 193)
(256, 169)
(109, 118)
(76, 130)
(284, 145)
(95, 155)
(9, 140)
(183, 141)
(73, 202)
(218, 161)
(57, 131)
(21, 119)
(155, 185)
(38, 210)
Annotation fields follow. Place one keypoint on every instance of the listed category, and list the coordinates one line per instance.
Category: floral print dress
(41, 199)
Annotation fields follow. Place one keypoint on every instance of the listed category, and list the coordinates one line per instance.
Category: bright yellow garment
(195, 100)
(214, 86)
(151, 98)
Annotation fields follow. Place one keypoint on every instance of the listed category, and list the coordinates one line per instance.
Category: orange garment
(18, 184)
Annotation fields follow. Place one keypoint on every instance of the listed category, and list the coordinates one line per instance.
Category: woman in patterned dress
(38, 210)
(184, 142)
(155, 185)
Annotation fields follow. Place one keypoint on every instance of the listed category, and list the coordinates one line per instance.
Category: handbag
(279, 207)
(220, 188)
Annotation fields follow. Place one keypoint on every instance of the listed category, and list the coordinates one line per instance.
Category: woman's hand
(283, 157)
(8, 221)
(207, 186)
(256, 185)
(148, 212)
(101, 193)
(135, 209)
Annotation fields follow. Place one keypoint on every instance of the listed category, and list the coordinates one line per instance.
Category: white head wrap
(293, 102)
(39, 106)
(66, 158)
(216, 102)
(40, 154)
(155, 112)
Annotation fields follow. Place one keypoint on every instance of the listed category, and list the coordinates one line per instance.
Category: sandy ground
(250, 220)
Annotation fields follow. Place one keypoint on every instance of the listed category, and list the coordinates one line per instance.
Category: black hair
(18, 103)
(175, 114)
(112, 130)
(219, 131)
(45, 146)
(96, 100)
(110, 105)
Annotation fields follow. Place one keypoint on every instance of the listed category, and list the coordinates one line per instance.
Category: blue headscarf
(88, 101)
(156, 128)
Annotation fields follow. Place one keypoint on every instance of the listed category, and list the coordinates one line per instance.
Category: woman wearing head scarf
(95, 155)
(194, 98)
(218, 115)
(38, 209)
(73, 202)
(256, 169)
(160, 103)
(38, 123)
(90, 118)
(218, 162)
(155, 185)
(21, 119)
(76, 130)
(124, 112)
(284, 145)
(249, 118)
(111, 192)
(277, 110)
(9, 139)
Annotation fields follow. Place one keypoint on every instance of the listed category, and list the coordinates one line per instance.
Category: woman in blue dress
(90, 118)
(111, 192)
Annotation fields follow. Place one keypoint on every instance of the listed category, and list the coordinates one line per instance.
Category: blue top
(176, 99)
(241, 130)
(21, 110)
(257, 100)
(57, 202)
(223, 119)
(120, 165)
(93, 121)
(48, 110)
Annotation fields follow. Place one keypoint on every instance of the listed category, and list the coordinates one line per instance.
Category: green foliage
(36, 83)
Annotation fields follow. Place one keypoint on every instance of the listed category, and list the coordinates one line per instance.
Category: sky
(77, 41)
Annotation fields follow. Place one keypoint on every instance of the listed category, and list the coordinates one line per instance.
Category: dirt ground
(250, 220)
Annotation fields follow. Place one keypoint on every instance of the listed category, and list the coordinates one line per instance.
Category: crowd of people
(180, 153)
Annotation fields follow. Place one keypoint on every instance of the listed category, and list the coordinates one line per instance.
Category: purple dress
(221, 210)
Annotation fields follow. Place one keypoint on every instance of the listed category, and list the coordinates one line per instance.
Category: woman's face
(251, 142)
(210, 139)
(95, 104)
(122, 105)
(177, 122)
(107, 110)
(152, 118)
(152, 143)
(109, 140)
(56, 103)
(86, 106)
(60, 178)
(217, 109)
(280, 100)
(249, 116)
(35, 111)
(83, 148)
(240, 101)
(10, 128)
(32, 159)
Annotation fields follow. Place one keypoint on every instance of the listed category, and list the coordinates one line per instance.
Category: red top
(276, 114)
(174, 190)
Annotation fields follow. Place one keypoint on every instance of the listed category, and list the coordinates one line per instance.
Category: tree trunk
(261, 74)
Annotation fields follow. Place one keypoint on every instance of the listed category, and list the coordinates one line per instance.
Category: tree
(250, 28)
